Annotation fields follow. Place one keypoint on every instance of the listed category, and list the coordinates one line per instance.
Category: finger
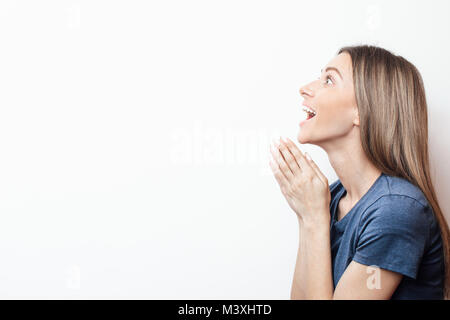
(293, 152)
(289, 157)
(302, 161)
(281, 179)
(317, 170)
(276, 147)
(279, 160)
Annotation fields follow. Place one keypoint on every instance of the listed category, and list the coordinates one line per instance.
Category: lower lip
(306, 120)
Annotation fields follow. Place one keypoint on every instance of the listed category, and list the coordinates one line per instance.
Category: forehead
(343, 63)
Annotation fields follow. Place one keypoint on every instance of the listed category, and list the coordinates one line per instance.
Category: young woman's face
(332, 97)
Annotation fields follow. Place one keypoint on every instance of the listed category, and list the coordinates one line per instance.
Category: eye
(328, 78)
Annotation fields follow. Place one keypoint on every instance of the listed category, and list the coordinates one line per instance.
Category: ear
(356, 118)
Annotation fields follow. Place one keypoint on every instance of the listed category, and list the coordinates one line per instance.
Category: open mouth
(309, 112)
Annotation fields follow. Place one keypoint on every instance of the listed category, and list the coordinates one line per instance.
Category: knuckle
(317, 181)
(291, 162)
(290, 191)
(303, 182)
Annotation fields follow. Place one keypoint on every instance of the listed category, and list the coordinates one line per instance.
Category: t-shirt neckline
(343, 191)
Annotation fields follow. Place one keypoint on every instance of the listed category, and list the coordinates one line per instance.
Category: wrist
(315, 223)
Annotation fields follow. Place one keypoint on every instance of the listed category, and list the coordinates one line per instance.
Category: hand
(302, 183)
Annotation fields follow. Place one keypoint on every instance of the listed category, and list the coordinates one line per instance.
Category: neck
(356, 173)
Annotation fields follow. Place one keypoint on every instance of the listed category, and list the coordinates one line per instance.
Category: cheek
(336, 115)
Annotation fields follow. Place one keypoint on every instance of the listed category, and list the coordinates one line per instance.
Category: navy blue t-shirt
(392, 227)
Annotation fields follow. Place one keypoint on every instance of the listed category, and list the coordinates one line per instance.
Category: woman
(378, 231)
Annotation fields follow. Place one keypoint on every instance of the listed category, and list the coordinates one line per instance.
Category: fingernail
(275, 142)
(307, 156)
(274, 147)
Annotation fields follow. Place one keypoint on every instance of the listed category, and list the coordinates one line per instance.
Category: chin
(301, 139)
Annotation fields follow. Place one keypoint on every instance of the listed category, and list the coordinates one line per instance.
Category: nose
(307, 90)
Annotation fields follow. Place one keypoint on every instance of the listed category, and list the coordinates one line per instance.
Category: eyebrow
(335, 69)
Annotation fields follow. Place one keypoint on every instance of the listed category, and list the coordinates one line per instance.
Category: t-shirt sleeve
(393, 234)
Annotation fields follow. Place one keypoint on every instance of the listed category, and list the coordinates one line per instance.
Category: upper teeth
(305, 108)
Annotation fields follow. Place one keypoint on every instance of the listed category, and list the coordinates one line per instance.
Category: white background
(134, 137)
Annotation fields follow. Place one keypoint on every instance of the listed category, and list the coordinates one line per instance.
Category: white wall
(134, 137)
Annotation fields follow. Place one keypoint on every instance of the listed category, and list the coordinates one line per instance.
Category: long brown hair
(387, 86)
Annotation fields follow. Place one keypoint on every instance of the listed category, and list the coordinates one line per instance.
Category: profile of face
(332, 98)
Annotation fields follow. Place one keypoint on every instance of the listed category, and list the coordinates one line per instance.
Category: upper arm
(366, 282)
(391, 243)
